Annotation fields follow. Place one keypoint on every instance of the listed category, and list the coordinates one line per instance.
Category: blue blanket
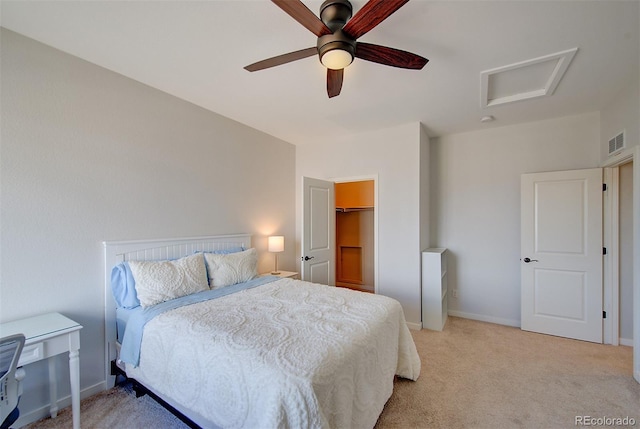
(132, 341)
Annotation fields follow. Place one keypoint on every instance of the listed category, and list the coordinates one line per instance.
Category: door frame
(362, 178)
(610, 268)
(611, 224)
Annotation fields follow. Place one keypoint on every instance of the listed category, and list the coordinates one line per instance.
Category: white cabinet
(434, 288)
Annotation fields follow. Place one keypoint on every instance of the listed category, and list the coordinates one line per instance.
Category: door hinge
(604, 250)
(604, 314)
(604, 187)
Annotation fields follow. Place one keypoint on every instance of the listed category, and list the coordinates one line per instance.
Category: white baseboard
(414, 326)
(626, 342)
(515, 323)
(484, 318)
(40, 413)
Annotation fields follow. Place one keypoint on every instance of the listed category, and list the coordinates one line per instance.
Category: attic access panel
(527, 79)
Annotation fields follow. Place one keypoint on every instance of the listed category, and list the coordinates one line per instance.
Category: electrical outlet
(454, 292)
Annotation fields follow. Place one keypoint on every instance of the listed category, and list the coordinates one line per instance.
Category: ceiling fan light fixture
(336, 50)
(336, 59)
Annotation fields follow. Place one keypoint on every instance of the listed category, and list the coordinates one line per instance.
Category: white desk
(46, 336)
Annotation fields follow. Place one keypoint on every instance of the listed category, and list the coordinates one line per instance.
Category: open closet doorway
(613, 231)
(356, 222)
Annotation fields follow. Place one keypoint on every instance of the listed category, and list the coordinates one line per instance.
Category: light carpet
(474, 375)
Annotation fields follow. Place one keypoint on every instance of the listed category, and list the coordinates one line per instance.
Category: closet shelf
(352, 209)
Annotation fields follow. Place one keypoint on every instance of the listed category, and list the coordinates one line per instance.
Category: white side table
(46, 336)
(283, 274)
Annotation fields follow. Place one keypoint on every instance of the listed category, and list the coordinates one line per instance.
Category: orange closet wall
(354, 194)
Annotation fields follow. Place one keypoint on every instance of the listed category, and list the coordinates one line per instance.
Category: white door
(561, 253)
(318, 231)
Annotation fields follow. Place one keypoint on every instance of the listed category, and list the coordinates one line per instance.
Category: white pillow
(159, 281)
(225, 270)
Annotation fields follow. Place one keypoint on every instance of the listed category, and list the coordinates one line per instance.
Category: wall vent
(616, 144)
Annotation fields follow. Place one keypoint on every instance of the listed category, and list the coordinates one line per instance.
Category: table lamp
(276, 245)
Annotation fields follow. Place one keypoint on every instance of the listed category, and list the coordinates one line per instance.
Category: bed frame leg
(141, 390)
(118, 372)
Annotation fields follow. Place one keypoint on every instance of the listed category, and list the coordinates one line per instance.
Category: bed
(264, 352)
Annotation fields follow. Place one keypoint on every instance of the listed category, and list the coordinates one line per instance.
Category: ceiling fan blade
(390, 56)
(370, 15)
(282, 59)
(298, 11)
(334, 82)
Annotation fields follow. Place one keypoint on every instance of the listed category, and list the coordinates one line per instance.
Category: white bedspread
(288, 354)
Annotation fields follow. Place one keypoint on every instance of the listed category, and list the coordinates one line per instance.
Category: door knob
(306, 258)
(527, 260)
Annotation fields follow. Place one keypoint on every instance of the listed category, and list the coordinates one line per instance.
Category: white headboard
(147, 250)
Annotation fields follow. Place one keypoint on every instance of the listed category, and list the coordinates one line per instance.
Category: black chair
(10, 378)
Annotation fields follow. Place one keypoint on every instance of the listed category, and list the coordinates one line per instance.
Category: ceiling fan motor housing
(335, 13)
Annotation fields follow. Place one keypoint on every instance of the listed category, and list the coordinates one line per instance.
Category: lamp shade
(276, 243)
(336, 59)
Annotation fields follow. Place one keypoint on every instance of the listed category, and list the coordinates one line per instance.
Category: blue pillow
(123, 286)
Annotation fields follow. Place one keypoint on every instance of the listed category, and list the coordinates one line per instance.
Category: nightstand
(283, 275)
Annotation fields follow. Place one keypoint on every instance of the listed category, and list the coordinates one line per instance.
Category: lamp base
(275, 273)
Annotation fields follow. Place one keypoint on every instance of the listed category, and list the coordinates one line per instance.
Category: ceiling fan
(337, 33)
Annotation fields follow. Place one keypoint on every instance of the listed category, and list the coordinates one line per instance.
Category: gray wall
(393, 154)
(476, 204)
(88, 155)
(621, 114)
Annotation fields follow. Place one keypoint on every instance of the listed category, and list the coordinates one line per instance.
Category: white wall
(476, 204)
(425, 186)
(88, 155)
(622, 114)
(394, 155)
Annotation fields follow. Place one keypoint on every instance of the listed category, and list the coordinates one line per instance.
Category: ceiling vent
(527, 79)
(616, 144)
